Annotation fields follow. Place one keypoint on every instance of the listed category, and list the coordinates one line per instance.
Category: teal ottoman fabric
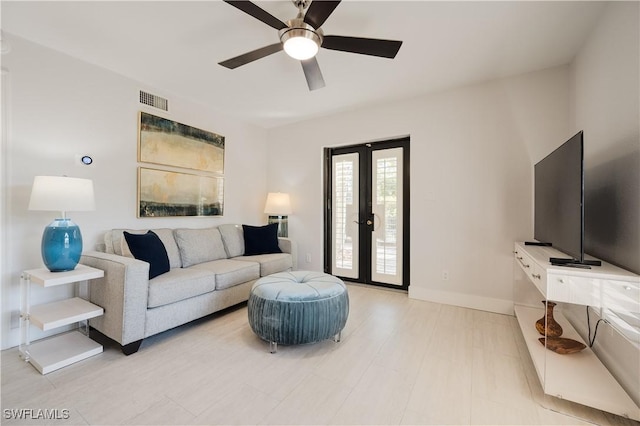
(298, 307)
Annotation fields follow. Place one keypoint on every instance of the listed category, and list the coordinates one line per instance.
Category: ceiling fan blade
(312, 73)
(364, 46)
(251, 56)
(319, 11)
(258, 13)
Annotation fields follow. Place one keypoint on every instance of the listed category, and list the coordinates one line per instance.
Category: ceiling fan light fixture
(301, 43)
(300, 48)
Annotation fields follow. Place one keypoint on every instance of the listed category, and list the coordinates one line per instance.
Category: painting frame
(169, 143)
(169, 193)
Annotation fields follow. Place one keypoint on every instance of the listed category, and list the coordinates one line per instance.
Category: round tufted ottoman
(298, 307)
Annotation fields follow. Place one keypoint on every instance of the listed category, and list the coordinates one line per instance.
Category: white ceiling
(176, 46)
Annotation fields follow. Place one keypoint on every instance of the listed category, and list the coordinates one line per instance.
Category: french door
(367, 213)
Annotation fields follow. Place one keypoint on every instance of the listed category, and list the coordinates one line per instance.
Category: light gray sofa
(208, 273)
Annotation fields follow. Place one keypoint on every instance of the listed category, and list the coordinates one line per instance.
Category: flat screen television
(559, 202)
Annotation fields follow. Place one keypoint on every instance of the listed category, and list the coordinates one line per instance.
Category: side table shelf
(56, 314)
(52, 353)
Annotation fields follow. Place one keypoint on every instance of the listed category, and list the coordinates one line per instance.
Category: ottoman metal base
(297, 307)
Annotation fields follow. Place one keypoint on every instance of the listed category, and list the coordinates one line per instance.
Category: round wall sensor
(86, 160)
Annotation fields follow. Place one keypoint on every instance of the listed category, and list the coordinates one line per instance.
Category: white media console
(611, 293)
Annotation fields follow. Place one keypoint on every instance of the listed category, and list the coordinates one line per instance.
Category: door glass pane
(344, 210)
(386, 243)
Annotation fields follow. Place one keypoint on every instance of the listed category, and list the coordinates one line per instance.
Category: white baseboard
(498, 306)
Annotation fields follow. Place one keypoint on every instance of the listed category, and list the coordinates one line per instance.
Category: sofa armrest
(122, 292)
(289, 246)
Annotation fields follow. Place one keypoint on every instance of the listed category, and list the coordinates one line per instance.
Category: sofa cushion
(270, 263)
(230, 272)
(233, 239)
(199, 245)
(116, 244)
(148, 247)
(260, 239)
(179, 284)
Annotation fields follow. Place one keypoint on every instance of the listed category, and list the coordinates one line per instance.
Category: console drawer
(536, 274)
(524, 261)
(621, 296)
(580, 291)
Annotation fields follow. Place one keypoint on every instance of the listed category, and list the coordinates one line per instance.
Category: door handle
(369, 222)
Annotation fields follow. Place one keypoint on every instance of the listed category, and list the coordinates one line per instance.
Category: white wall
(606, 84)
(606, 98)
(471, 178)
(59, 107)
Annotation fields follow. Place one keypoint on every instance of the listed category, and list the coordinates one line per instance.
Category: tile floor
(400, 361)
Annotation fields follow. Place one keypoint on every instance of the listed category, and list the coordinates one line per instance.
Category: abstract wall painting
(167, 142)
(164, 193)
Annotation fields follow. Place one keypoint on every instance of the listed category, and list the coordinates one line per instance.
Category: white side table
(55, 352)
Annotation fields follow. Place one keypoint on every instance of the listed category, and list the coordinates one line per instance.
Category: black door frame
(365, 196)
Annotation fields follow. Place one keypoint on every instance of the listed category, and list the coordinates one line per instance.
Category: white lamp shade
(61, 193)
(278, 204)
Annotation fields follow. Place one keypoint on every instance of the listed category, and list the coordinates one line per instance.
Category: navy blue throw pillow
(149, 248)
(261, 239)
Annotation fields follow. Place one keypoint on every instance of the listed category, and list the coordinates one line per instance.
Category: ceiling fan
(301, 37)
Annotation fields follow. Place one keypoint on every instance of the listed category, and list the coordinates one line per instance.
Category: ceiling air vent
(154, 101)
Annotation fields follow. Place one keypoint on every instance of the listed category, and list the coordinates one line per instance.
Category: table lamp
(278, 206)
(61, 241)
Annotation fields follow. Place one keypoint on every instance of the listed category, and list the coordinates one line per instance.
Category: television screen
(559, 198)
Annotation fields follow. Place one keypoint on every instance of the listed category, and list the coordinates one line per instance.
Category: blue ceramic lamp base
(61, 245)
